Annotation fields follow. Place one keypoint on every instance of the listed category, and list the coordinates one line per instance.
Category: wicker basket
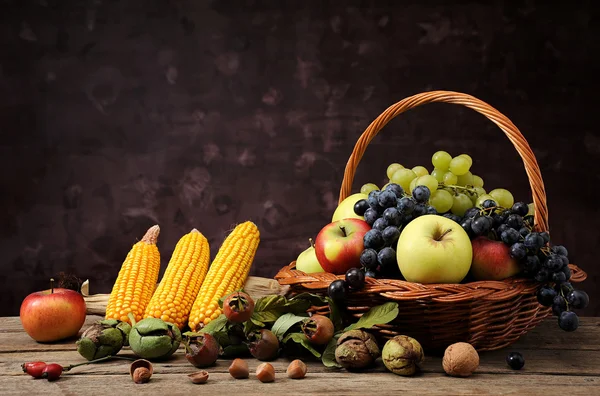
(487, 314)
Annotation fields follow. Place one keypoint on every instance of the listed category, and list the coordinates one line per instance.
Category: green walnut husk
(153, 338)
(402, 355)
(104, 338)
(356, 349)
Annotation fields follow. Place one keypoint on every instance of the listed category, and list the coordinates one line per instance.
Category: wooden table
(556, 363)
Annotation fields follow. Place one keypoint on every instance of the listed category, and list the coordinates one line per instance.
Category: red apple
(53, 315)
(338, 245)
(491, 260)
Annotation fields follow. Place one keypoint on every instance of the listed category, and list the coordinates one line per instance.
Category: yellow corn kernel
(227, 273)
(181, 281)
(137, 279)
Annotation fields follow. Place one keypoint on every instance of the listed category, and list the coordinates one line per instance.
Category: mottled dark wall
(118, 115)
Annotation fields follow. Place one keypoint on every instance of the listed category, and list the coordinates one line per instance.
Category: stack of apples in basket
(440, 226)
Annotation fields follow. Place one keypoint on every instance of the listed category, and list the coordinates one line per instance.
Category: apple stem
(51, 285)
(71, 366)
(444, 234)
(312, 243)
(343, 230)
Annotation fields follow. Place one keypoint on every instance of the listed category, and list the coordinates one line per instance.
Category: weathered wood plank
(314, 383)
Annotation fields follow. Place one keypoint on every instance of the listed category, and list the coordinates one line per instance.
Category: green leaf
(231, 351)
(266, 316)
(334, 315)
(269, 303)
(380, 314)
(215, 325)
(301, 339)
(222, 338)
(328, 358)
(284, 323)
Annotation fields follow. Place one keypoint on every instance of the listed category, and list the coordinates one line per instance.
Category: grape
(518, 251)
(373, 239)
(542, 275)
(567, 271)
(370, 216)
(460, 204)
(481, 225)
(396, 189)
(515, 360)
(450, 179)
(566, 288)
(559, 277)
(546, 237)
(531, 264)
(568, 321)
(390, 235)
(385, 186)
(413, 184)
(472, 212)
(392, 168)
(560, 250)
(510, 236)
(501, 228)
(387, 257)
(367, 188)
(368, 259)
(459, 165)
(361, 206)
(477, 192)
(520, 208)
(406, 206)
(420, 171)
(392, 216)
(477, 181)
(489, 203)
(466, 225)
(545, 296)
(429, 181)
(355, 278)
(373, 199)
(559, 305)
(468, 157)
(441, 200)
(337, 290)
(419, 210)
(441, 160)
(534, 241)
(531, 209)
(524, 231)
(387, 199)
(438, 174)
(514, 221)
(421, 194)
(453, 217)
(578, 299)
(380, 224)
(465, 180)
(431, 210)
(482, 198)
(503, 197)
(403, 177)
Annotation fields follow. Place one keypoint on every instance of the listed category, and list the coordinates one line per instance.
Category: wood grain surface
(556, 361)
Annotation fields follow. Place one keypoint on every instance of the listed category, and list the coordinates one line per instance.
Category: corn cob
(173, 299)
(227, 273)
(136, 280)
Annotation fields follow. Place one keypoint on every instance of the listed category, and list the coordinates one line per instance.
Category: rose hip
(52, 371)
(34, 368)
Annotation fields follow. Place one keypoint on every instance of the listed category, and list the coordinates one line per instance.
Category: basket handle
(512, 133)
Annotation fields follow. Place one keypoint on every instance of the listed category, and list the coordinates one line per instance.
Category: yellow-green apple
(434, 249)
(345, 209)
(491, 260)
(339, 244)
(52, 315)
(307, 260)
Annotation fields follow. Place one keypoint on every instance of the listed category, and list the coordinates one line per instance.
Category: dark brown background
(118, 115)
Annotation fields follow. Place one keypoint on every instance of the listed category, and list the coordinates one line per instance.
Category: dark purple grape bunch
(387, 212)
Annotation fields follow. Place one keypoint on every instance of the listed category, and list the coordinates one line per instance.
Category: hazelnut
(296, 369)
(141, 370)
(460, 360)
(239, 369)
(265, 372)
(199, 377)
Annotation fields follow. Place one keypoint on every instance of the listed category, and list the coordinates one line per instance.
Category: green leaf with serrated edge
(301, 339)
(269, 302)
(328, 357)
(379, 314)
(215, 325)
(285, 322)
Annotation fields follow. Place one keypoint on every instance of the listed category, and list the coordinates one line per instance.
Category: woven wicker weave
(487, 314)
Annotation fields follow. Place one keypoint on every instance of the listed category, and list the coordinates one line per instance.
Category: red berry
(52, 371)
(34, 369)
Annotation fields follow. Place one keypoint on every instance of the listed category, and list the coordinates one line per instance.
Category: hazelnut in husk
(402, 355)
(201, 349)
(153, 338)
(460, 360)
(356, 349)
(103, 338)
